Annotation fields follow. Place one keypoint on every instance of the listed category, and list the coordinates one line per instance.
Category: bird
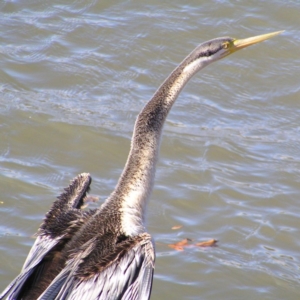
(106, 253)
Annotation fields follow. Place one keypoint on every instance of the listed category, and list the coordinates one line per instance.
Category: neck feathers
(136, 182)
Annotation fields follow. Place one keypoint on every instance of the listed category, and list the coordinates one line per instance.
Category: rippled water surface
(73, 78)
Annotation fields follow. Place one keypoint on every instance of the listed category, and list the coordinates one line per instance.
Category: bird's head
(218, 48)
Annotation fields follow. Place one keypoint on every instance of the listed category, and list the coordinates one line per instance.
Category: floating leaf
(209, 243)
(187, 243)
(176, 227)
(179, 246)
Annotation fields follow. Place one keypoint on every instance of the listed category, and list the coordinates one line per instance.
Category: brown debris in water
(179, 246)
(176, 227)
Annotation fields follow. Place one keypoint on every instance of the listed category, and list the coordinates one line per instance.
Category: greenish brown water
(73, 78)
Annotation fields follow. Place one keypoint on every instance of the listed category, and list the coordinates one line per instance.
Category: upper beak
(240, 44)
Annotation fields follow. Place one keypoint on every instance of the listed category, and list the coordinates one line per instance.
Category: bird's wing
(57, 226)
(128, 277)
(40, 248)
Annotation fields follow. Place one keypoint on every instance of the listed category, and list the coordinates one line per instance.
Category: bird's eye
(225, 45)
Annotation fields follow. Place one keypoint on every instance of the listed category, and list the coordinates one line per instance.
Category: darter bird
(106, 253)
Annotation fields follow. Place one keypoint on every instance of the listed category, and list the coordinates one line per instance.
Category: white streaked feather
(133, 277)
(43, 244)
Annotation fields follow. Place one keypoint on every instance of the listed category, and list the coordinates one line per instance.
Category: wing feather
(129, 278)
(59, 222)
(40, 248)
(123, 273)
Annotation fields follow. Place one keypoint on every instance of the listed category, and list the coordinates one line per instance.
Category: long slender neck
(136, 182)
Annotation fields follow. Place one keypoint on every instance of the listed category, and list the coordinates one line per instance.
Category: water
(74, 77)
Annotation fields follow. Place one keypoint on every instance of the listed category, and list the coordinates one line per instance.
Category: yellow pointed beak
(240, 44)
